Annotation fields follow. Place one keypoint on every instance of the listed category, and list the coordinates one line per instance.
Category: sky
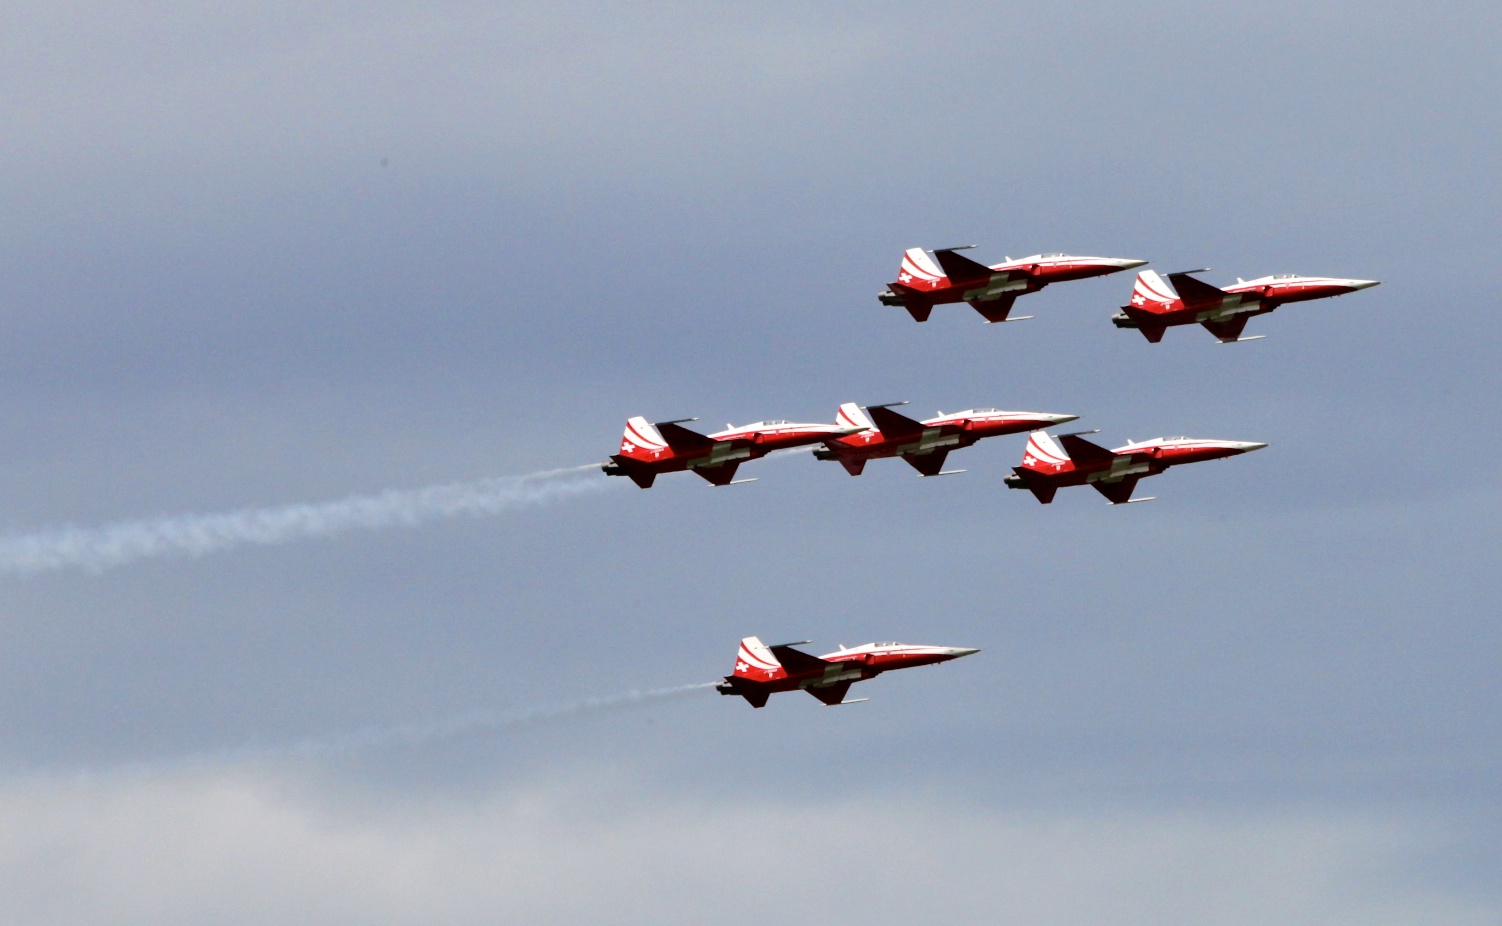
(268, 255)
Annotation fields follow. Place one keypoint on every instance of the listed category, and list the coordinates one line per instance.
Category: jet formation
(861, 434)
(1050, 462)
(1155, 305)
(761, 670)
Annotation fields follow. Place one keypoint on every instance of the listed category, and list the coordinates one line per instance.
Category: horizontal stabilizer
(1020, 318)
(1255, 337)
(735, 482)
(961, 269)
(625, 466)
(919, 310)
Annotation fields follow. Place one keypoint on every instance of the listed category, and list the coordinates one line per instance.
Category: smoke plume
(96, 549)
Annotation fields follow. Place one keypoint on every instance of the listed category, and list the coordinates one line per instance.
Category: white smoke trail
(475, 722)
(407, 735)
(96, 549)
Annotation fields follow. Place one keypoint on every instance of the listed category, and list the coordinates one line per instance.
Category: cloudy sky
(264, 254)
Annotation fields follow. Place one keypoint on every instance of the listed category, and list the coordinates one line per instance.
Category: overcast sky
(264, 254)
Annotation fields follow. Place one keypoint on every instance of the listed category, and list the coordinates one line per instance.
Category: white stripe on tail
(641, 439)
(754, 661)
(1044, 454)
(853, 416)
(919, 270)
(1153, 294)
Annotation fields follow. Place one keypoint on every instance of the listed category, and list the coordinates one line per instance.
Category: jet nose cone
(958, 651)
(1365, 284)
(1058, 419)
(1248, 446)
(1127, 263)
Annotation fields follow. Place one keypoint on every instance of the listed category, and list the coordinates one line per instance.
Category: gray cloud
(252, 847)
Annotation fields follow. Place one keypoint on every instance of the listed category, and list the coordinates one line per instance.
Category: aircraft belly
(1118, 473)
(836, 673)
(994, 290)
(932, 439)
(1229, 307)
(720, 455)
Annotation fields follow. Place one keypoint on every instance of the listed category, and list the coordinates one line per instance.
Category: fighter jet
(1113, 473)
(920, 285)
(648, 450)
(1184, 300)
(923, 444)
(761, 670)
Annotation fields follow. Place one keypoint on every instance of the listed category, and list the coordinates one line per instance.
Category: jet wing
(831, 694)
(994, 310)
(961, 269)
(721, 475)
(1083, 451)
(1228, 330)
(1117, 493)
(894, 424)
(1195, 292)
(929, 464)
(682, 440)
(797, 661)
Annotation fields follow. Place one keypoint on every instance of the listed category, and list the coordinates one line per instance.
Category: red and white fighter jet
(761, 670)
(1047, 467)
(1183, 300)
(648, 450)
(923, 444)
(920, 285)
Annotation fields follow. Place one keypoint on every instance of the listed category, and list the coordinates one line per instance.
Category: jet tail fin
(1044, 455)
(755, 662)
(851, 415)
(641, 439)
(1153, 296)
(918, 273)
